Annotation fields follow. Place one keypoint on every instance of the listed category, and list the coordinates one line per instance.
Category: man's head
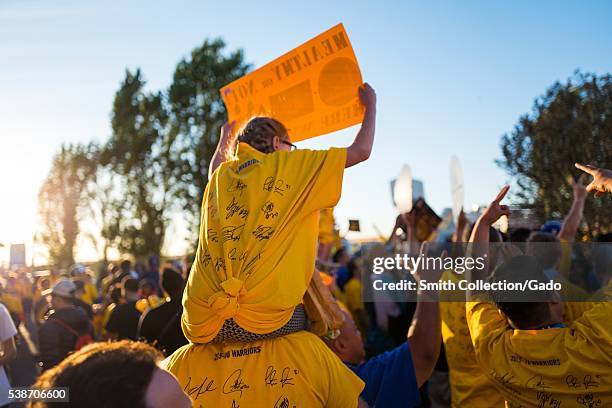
(348, 346)
(62, 294)
(126, 266)
(79, 286)
(171, 282)
(341, 256)
(118, 374)
(129, 289)
(545, 247)
(114, 293)
(265, 134)
(528, 309)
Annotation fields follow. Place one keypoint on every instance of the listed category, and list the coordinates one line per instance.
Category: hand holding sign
(367, 95)
(312, 89)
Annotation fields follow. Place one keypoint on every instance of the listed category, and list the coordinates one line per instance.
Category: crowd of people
(271, 310)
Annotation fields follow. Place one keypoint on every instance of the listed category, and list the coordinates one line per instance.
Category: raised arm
(574, 216)
(223, 147)
(480, 235)
(424, 334)
(362, 145)
(602, 179)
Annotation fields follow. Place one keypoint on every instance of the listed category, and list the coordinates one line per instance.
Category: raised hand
(602, 179)
(495, 210)
(367, 95)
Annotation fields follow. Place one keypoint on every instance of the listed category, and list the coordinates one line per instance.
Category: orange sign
(312, 89)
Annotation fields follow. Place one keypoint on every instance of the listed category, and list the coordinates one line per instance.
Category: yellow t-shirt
(554, 367)
(90, 293)
(297, 370)
(469, 385)
(258, 238)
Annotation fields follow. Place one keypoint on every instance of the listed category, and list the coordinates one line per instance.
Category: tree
(140, 153)
(105, 208)
(60, 198)
(197, 114)
(571, 122)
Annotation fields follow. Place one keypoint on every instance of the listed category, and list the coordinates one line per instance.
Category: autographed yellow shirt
(297, 370)
(469, 385)
(258, 237)
(555, 367)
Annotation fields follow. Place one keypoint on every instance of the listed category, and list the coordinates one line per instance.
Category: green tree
(140, 153)
(60, 198)
(571, 122)
(197, 114)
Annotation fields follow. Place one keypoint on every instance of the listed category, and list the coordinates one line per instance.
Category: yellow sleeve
(486, 326)
(322, 188)
(595, 322)
(575, 310)
(342, 386)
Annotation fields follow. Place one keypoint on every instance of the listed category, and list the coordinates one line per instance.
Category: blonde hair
(259, 133)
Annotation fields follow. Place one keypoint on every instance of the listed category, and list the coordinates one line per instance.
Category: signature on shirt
(235, 383)
(207, 385)
(278, 186)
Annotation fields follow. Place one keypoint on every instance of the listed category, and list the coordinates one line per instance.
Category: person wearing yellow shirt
(257, 246)
(352, 294)
(526, 351)
(296, 370)
(469, 386)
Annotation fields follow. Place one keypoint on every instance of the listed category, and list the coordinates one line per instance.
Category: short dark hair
(115, 293)
(545, 247)
(126, 264)
(171, 281)
(103, 375)
(129, 285)
(339, 252)
(534, 310)
(519, 235)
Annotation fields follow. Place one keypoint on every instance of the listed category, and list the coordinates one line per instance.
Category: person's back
(533, 358)
(293, 370)
(123, 321)
(258, 235)
(161, 326)
(59, 333)
(258, 238)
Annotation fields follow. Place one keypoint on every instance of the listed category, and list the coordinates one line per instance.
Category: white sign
(402, 191)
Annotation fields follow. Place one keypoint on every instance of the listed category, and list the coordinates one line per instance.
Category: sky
(451, 79)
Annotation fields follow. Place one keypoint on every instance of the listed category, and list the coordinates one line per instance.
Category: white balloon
(402, 192)
(457, 190)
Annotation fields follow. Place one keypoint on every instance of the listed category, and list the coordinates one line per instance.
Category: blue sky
(451, 78)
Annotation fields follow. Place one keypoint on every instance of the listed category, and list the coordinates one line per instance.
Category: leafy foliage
(571, 122)
(60, 197)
